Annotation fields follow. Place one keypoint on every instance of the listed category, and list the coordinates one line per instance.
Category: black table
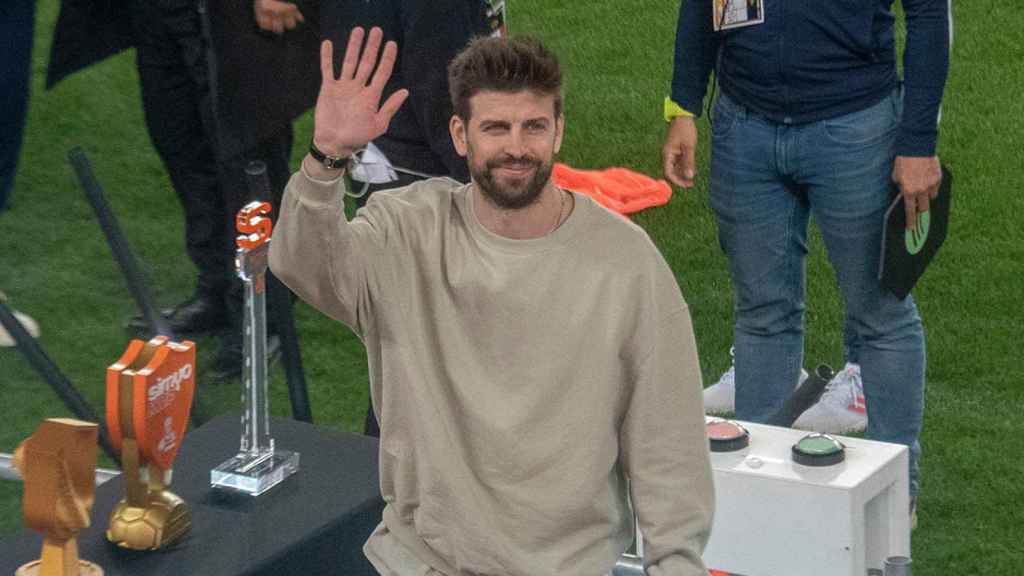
(315, 522)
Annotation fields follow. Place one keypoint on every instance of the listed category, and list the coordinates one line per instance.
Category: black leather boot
(202, 313)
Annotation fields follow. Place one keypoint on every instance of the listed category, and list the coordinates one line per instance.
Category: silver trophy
(257, 467)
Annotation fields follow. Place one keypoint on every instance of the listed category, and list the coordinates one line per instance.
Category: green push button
(818, 450)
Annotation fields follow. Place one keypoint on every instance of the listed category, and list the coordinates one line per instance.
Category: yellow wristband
(673, 110)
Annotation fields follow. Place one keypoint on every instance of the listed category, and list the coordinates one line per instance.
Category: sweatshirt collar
(557, 237)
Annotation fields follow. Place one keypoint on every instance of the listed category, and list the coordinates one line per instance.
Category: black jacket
(429, 34)
(263, 81)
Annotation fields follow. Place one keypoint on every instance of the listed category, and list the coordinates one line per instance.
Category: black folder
(907, 253)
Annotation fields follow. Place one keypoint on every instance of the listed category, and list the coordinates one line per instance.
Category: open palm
(348, 110)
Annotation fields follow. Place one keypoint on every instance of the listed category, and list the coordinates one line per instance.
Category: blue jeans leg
(762, 228)
(846, 166)
(766, 178)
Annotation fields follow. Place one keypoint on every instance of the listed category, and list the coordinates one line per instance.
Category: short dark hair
(510, 64)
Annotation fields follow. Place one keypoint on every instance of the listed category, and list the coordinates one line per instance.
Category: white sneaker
(30, 326)
(841, 408)
(720, 397)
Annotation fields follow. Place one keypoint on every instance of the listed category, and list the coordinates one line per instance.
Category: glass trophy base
(254, 474)
(35, 568)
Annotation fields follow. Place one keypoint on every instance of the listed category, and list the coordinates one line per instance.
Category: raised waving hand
(348, 110)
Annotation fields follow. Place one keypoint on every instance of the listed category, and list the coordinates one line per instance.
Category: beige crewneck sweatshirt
(518, 383)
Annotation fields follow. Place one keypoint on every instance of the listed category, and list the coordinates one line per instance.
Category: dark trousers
(179, 111)
(16, 25)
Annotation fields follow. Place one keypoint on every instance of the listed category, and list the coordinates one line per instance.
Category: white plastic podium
(774, 517)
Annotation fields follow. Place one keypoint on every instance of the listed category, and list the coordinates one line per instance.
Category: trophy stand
(257, 467)
(149, 396)
(58, 464)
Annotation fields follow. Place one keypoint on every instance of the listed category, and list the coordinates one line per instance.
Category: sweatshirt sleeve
(321, 256)
(666, 452)
(695, 54)
(925, 67)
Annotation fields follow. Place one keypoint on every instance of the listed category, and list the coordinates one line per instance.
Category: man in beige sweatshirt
(529, 351)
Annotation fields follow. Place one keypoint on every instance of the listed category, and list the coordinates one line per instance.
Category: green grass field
(55, 264)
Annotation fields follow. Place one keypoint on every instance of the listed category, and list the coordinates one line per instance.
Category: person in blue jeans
(16, 26)
(813, 119)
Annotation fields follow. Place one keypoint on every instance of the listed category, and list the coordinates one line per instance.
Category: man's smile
(518, 168)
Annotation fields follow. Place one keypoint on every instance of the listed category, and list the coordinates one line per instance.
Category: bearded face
(510, 182)
(510, 142)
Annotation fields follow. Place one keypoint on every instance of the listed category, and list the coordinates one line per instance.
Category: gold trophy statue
(149, 397)
(58, 464)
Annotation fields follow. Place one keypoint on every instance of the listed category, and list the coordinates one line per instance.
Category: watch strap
(329, 162)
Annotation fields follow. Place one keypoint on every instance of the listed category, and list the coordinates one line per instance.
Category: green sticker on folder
(906, 253)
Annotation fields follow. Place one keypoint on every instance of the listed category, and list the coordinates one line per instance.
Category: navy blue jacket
(817, 59)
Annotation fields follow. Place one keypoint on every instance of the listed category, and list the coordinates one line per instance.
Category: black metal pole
(65, 390)
(137, 284)
(280, 300)
(291, 355)
(803, 397)
(118, 245)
